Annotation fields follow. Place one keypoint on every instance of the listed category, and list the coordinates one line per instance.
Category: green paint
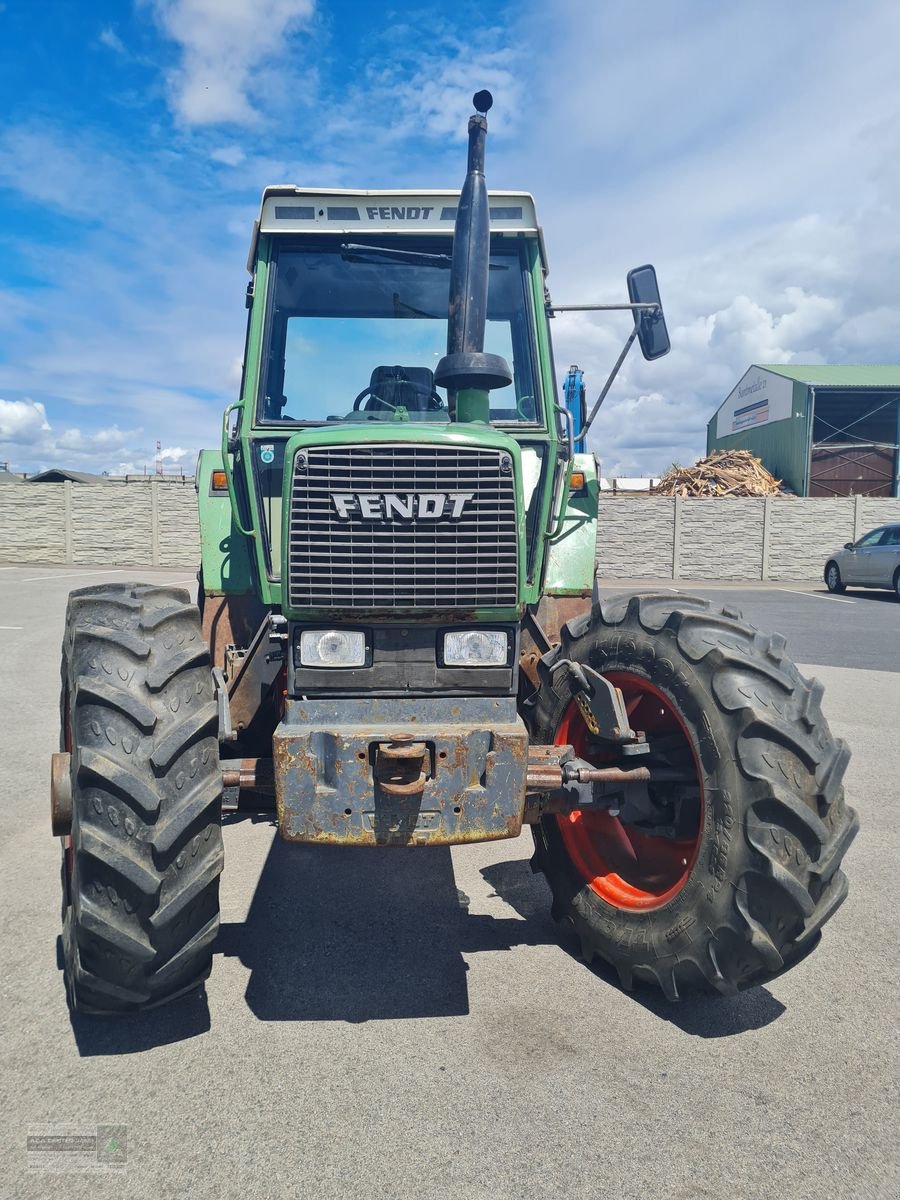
(532, 588)
(472, 404)
(224, 552)
(572, 557)
(834, 376)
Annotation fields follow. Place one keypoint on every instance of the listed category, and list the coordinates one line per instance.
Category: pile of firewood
(723, 473)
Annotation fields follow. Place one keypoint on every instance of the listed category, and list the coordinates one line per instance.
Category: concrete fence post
(676, 539)
(67, 519)
(154, 522)
(767, 530)
(857, 518)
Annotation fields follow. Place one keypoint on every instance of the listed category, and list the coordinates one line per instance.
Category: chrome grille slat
(388, 564)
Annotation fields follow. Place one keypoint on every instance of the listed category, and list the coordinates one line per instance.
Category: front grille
(389, 561)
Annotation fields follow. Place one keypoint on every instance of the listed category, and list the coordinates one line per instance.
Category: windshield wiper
(352, 252)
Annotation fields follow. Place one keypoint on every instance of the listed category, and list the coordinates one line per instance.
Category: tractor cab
(348, 322)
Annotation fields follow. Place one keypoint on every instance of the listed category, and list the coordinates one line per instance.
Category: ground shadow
(129, 1034)
(700, 1015)
(358, 934)
(885, 596)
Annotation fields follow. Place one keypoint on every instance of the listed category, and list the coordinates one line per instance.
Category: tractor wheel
(729, 879)
(141, 864)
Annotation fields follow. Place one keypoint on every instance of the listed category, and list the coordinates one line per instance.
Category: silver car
(873, 561)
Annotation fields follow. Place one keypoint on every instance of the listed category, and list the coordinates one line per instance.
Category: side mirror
(849, 546)
(649, 322)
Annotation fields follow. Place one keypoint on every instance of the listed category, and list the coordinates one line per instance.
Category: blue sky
(752, 151)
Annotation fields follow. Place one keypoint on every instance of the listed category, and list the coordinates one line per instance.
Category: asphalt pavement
(410, 1023)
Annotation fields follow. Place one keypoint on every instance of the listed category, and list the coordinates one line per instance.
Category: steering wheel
(435, 401)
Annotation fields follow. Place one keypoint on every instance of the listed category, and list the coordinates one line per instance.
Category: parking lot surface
(411, 1023)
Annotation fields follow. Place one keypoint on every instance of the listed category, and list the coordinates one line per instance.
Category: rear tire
(897, 583)
(833, 578)
(141, 866)
(759, 873)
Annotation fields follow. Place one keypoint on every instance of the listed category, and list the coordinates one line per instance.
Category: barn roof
(838, 376)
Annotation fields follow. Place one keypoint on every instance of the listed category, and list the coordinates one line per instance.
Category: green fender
(225, 553)
(572, 558)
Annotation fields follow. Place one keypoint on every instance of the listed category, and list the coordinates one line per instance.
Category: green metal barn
(823, 430)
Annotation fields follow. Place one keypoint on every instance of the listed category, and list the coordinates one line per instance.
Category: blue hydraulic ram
(573, 395)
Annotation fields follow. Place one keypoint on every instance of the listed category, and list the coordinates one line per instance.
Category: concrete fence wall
(779, 538)
(136, 524)
(155, 524)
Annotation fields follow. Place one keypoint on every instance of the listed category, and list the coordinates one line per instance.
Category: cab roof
(286, 208)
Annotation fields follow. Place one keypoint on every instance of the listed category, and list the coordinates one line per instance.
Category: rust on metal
(400, 767)
(61, 794)
(613, 775)
(255, 774)
(528, 665)
(229, 620)
(333, 759)
(552, 613)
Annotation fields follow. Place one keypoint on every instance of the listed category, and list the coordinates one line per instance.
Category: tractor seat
(407, 387)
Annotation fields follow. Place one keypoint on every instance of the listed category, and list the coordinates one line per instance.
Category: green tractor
(398, 639)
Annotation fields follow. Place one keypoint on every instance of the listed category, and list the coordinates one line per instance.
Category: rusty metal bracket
(256, 673)
(599, 702)
(227, 732)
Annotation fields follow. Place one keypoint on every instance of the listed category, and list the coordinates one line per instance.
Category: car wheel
(833, 578)
(897, 583)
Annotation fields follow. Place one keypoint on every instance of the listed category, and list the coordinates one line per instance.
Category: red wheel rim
(626, 866)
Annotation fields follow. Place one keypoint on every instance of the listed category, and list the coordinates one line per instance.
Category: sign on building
(758, 399)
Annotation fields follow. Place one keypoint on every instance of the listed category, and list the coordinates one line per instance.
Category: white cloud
(27, 439)
(111, 40)
(231, 156)
(22, 421)
(223, 44)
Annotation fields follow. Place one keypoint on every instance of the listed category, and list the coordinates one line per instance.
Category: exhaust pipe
(465, 369)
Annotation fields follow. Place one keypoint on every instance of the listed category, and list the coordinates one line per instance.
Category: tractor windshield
(355, 331)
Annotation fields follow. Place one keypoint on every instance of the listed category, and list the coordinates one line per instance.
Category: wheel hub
(61, 794)
(627, 866)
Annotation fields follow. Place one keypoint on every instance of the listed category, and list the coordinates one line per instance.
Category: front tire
(730, 885)
(141, 865)
(833, 578)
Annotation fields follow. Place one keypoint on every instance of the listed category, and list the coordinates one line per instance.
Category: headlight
(476, 648)
(332, 648)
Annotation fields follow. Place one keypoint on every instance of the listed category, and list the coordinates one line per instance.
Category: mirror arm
(612, 375)
(555, 308)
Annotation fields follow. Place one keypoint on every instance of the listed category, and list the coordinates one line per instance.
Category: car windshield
(355, 331)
